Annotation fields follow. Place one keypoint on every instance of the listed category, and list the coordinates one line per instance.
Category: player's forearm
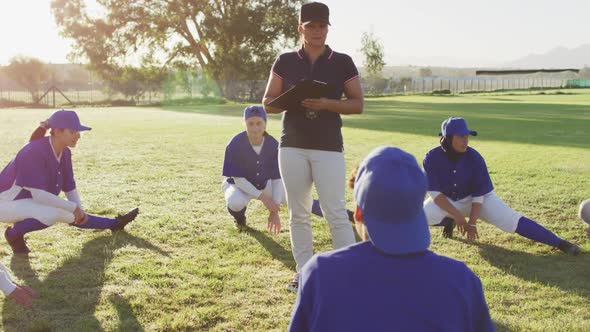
(278, 190)
(475, 213)
(443, 202)
(46, 198)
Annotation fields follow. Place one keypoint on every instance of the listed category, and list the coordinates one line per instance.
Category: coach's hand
(23, 295)
(274, 223)
(318, 104)
(80, 217)
(270, 205)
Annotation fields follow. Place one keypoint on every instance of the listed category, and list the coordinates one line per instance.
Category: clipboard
(292, 98)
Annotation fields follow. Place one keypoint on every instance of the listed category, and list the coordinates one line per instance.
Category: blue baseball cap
(66, 119)
(389, 189)
(455, 126)
(254, 110)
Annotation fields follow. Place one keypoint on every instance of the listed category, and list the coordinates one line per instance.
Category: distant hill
(559, 57)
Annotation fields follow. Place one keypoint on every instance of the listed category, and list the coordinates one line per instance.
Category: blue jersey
(316, 130)
(457, 179)
(242, 161)
(35, 166)
(359, 288)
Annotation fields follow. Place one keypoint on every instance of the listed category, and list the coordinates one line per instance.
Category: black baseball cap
(314, 12)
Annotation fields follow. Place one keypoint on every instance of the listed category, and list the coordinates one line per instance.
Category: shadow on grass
(519, 122)
(560, 270)
(276, 250)
(70, 294)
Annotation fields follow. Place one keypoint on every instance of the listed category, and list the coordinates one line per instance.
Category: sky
(460, 33)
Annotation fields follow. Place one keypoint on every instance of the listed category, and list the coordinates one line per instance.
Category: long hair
(38, 133)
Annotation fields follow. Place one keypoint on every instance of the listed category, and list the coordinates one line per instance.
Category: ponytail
(39, 132)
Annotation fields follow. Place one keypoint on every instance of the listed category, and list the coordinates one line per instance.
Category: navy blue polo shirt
(457, 179)
(320, 130)
(359, 288)
(242, 161)
(37, 167)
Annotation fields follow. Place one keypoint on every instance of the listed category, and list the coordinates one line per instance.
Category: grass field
(182, 266)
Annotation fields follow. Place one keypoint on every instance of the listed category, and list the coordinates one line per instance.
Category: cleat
(17, 243)
(448, 229)
(569, 248)
(122, 221)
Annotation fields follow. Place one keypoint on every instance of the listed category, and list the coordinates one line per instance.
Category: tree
(425, 72)
(231, 40)
(29, 73)
(373, 55)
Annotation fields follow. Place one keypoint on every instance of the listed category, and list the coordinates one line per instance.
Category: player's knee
(236, 204)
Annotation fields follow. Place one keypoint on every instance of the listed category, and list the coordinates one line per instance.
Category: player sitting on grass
(459, 186)
(251, 171)
(391, 282)
(31, 182)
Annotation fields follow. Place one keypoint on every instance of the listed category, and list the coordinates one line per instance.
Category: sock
(315, 208)
(25, 226)
(532, 230)
(237, 214)
(95, 222)
(445, 222)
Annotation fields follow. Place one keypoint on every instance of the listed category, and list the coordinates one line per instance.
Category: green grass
(182, 265)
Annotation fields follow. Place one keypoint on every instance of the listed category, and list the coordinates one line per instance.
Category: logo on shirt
(311, 114)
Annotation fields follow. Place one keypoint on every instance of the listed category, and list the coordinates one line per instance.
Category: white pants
(14, 211)
(237, 199)
(493, 211)
(300, 168)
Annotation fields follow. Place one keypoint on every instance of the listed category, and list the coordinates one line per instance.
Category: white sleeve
(277, 191)
(47, 198)
(433, 194)
(247, 187)
(477, 199)
(6, 284)
(74, 197)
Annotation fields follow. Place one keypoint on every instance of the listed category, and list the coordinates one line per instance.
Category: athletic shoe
(122, 221)
(240, 223)
(448, 229)
(350, 216)
(293, 285)
(569, 248)
(17, 243)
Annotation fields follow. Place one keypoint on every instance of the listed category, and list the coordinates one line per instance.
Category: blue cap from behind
(455, 126)
(66, 119)
(390, 189)
(254, 110)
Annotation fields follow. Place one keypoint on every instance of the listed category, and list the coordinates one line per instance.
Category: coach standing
(311, 147)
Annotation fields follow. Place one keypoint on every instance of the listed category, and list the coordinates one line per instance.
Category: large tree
(232, 40)
(373, 54)
(29, 73)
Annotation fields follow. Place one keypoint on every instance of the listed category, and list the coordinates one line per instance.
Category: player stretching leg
(459, 186)
(251, 171)
(30, 185)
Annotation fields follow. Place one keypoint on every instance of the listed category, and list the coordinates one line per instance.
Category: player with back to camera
(31, 182)
(311, 148)
(251, 171)
(391, 281)
(460, 187)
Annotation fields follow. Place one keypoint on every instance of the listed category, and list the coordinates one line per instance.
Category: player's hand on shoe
(270, 205)
(80, 217)
(23, 295)
(274, 223)
(471, 231)
(315, 104)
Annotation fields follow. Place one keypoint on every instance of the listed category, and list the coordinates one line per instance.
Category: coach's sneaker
(448, 228)
(569, 248)
(122, 221)
(17, 243)
(293, 285)
(350, 216)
